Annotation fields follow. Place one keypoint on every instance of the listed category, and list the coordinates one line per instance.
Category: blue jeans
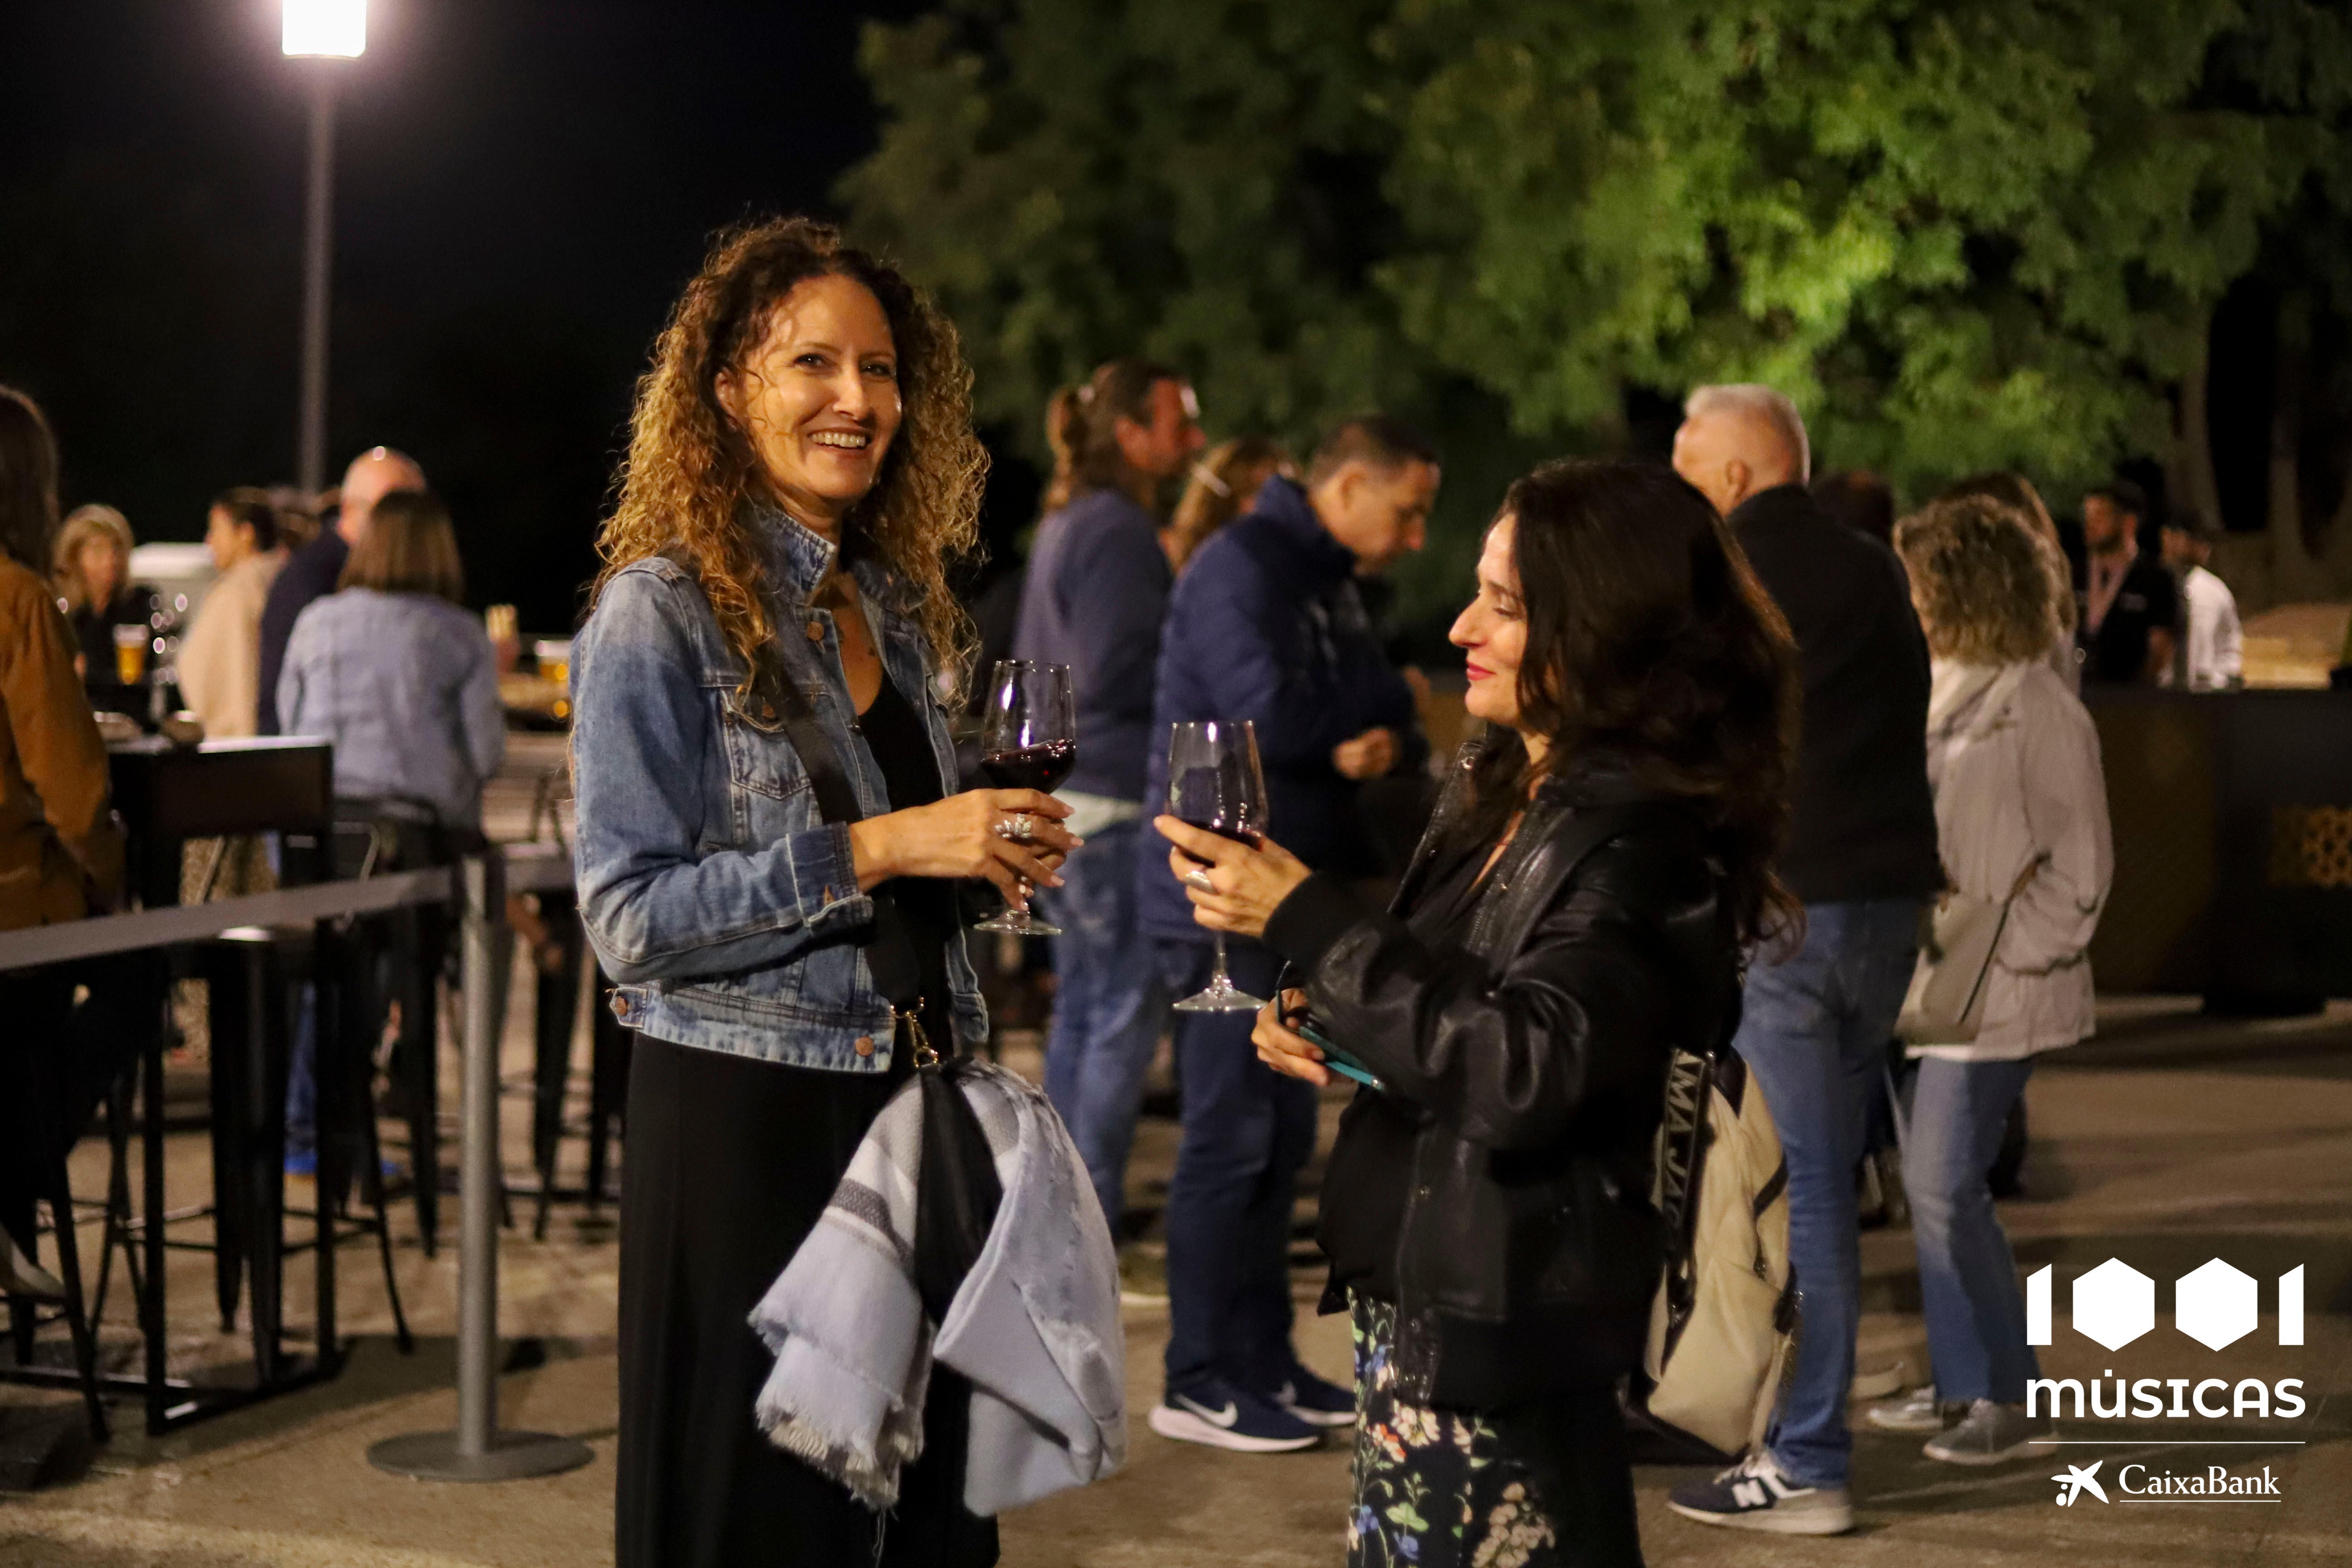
(1248, 1130)
(1814, 1032)
(1967, 1276)
(1109, 1008)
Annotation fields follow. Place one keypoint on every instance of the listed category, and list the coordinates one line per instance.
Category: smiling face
(1493, 631)
(818, 398)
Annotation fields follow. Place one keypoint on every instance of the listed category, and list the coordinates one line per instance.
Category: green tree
(1961, 233)
(1200, 183)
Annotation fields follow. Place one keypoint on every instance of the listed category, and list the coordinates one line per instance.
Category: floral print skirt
(1546, 1485)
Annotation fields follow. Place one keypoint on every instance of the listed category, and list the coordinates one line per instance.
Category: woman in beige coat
(2021, 815)
(220, 661)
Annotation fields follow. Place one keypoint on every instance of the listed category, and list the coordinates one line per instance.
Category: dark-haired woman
(1096, 595)
(220, 661)
(60, 852)
(801, 461)
(1576, 912)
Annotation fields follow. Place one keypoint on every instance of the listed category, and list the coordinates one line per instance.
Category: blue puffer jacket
(1266, 625)
(711, 886)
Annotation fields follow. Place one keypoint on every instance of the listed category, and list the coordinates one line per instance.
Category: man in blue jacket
(1266, 625)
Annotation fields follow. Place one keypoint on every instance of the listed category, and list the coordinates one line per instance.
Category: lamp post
(324, 30)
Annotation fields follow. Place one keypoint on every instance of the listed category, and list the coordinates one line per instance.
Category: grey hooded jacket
(1035, 1326)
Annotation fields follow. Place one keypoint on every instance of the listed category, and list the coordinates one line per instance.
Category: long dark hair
(1082, 428)
(28, 481)
(1652, 651)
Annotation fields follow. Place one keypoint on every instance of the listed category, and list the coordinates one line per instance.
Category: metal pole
(478, 1247)
(477, 1450)
(318, 250)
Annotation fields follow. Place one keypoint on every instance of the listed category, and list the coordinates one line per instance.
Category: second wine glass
(1028, 740)
(1214, 783)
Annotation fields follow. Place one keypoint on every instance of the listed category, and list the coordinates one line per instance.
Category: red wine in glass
(1039, 767)
(1238, 835)
(1214, 783)
(1028, 740)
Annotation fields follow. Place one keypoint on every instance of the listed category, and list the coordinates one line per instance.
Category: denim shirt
(723, 905)
(407, 686)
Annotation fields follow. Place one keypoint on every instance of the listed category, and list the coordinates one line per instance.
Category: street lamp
(319, 29)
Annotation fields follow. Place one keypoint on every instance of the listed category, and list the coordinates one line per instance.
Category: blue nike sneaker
(1314, 1400)
(1214, 1412)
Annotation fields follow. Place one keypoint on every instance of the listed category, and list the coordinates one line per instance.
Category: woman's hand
(1240, 886)
(1282, 1047)
(966, 836)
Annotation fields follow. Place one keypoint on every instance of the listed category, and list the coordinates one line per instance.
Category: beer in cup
(131, 653)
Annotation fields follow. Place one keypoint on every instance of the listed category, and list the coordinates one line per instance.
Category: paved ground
(2172, 1141)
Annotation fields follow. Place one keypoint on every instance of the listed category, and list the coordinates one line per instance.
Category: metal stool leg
(85, 1344)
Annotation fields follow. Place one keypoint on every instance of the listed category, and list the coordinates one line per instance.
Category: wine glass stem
(1220, 980)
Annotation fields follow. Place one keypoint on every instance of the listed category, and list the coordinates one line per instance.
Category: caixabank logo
(2137, 1482)
(2216, 1304)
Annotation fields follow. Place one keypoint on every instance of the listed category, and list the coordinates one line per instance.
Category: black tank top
(902, 748)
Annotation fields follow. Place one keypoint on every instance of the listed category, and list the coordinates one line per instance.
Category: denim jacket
(726, 909)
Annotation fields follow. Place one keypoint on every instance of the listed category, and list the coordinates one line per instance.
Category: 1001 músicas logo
(2216, 1304)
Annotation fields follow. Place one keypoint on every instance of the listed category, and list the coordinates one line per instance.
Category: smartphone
(1337, 1059)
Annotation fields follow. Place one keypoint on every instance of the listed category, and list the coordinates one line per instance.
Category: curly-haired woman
(2021, 815)
(1577, 910)
(801, 461)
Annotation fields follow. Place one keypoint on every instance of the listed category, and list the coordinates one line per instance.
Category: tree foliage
(1961, 233)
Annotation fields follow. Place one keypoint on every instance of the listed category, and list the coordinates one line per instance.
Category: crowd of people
(353, 633)
(1740, 730)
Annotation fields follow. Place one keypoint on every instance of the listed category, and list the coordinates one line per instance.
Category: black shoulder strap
(774, 697)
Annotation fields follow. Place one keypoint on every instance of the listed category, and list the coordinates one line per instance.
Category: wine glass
(1214, 783)
(1028, 741)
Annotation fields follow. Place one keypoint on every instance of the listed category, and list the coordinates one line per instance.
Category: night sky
(522, 188)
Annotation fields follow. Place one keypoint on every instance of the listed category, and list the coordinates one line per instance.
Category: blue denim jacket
(724, 906)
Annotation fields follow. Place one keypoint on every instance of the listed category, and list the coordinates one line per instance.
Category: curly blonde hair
(690, 470)
(1982, 577)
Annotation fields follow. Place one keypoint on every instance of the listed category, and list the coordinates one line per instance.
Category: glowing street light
(336, 28)
(322, 30)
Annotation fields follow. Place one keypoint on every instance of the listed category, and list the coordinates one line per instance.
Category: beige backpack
(1723, 1329)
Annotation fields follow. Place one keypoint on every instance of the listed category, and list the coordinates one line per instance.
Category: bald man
(1861, 853)
(315, 568)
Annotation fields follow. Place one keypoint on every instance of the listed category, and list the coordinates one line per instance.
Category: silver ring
(1198, 877)
(1017, 828)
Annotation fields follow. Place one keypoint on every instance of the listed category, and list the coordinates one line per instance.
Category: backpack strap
(775, 698)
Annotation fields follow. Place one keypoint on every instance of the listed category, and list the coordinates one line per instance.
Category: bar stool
(40, 1008)
(556, 1014)
(371, 835)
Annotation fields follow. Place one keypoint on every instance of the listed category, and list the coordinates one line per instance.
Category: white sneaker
(1918, 1411)
(1990, 1434)
(1876, 1383)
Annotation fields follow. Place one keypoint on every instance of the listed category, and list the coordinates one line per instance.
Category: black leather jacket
(1525, 1063)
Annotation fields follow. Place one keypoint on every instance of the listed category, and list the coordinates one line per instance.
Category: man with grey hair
(1861, 854)
(1740, 441)
(314, 569)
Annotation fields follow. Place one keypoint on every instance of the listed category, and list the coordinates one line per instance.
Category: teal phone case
(1338, 1061)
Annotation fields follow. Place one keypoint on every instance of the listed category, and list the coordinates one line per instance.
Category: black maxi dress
(729, 1161)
